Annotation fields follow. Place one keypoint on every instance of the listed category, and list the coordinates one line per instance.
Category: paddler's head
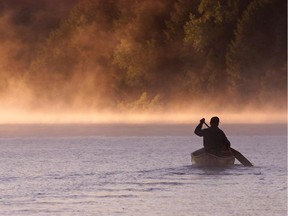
(214, 121)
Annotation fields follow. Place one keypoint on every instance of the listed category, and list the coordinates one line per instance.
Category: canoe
(202, 158)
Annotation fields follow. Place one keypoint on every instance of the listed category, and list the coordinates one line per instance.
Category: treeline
(144, 55)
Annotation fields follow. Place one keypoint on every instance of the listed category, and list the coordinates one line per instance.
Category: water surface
(138, 170)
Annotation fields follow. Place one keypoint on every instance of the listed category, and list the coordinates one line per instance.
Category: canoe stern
(207, 159)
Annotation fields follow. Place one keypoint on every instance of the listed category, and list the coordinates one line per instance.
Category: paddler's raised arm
(198, 130)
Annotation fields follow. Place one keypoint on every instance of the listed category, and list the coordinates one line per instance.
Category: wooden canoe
(202, 158)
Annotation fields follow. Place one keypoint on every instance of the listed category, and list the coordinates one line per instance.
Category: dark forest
(140, 55)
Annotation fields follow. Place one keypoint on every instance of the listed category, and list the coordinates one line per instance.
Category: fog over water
(129, 61)
(99, 100)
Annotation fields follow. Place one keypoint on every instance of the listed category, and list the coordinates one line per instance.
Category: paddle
(238, 155)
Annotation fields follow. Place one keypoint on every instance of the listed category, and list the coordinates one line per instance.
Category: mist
(130, 61)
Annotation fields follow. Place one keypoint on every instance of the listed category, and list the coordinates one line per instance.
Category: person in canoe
(216, 143)
(214, 139)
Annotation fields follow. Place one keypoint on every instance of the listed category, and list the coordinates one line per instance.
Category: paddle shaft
(243, 160)
(206, 124)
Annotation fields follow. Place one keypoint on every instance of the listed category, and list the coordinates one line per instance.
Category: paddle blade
(241, 158)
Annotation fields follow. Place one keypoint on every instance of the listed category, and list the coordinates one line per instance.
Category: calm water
(138, 170)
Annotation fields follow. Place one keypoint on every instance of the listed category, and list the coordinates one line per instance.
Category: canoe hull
(202, 158)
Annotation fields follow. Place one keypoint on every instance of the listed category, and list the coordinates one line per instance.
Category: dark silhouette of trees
(134, 54)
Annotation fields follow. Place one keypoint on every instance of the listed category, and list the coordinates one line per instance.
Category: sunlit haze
(15, 117)
(126, 61)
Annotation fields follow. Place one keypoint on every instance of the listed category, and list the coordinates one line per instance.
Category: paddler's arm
(198, 130)
(226, 142)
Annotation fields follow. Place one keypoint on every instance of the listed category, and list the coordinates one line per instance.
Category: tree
(259, 49)
(210, 31)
